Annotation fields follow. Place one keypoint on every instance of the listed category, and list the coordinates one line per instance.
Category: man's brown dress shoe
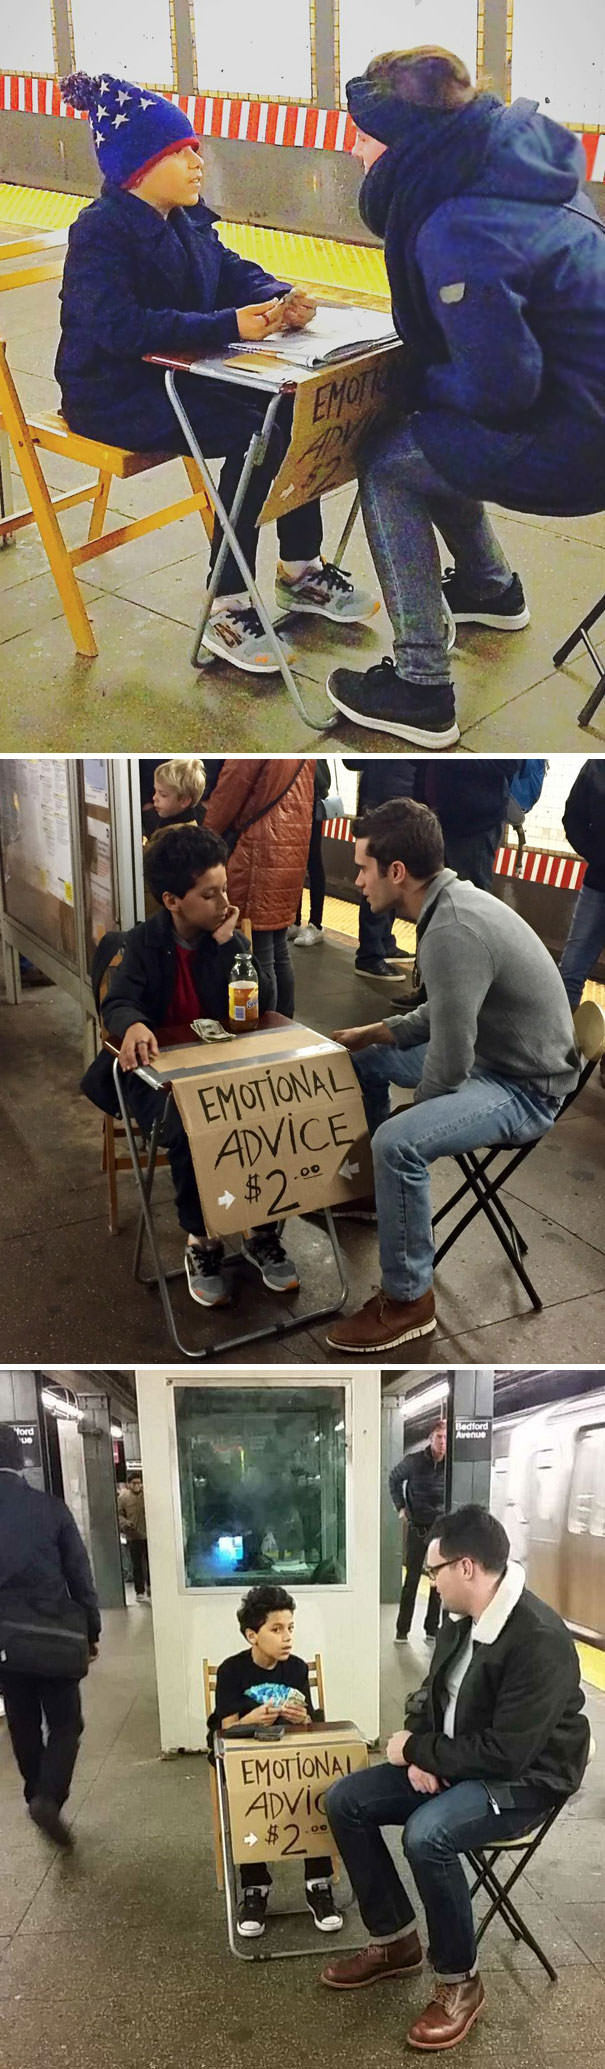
(382, 1963)
(449, 2016)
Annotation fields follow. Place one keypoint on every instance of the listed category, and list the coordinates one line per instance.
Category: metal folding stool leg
(581, 633)
(487, 1202)
(282, 1326)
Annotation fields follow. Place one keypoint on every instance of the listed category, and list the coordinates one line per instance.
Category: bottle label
(243, 1004)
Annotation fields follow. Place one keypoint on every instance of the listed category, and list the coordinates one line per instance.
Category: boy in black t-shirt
(257, 1686)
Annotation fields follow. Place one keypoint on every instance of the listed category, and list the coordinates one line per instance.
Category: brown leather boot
(449, 2016)
(381, 1963)
(383, 1323)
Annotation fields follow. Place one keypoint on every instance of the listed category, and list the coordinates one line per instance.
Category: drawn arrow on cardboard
(226, 1199)
(251, 1839)
(348, 1170)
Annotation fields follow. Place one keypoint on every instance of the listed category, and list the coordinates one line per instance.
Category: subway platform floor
(68, 1292)
(119, 1951)
(145, 600)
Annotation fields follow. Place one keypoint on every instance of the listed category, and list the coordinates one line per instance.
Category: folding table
(280, 1837)
(274, 379)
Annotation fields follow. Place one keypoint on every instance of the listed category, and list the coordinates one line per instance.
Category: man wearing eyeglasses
(417, 1488)
(502, 1738)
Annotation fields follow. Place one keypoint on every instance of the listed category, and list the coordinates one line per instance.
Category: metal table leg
(282, 1326)
(227, 520)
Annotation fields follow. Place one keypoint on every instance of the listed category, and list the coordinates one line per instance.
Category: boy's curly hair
(258, 1604)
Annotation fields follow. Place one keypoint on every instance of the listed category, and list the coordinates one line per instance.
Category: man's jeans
(584, 942)
(436, 1830)
(483, 1111)
(403, 498)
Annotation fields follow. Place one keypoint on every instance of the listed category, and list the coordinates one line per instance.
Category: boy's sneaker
(237, 636)
(320, 1903)
(423, 714)
(507, 612)
(204, 1276)
(326, 592)
(277, 1270)
(307, 936)
(251, 1913)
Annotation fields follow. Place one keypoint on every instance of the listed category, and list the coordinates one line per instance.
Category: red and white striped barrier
(292, 123)
(560, 872)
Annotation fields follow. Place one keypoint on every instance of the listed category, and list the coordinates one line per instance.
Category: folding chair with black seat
(484, 1862)
(483, 1185)
(581, 635)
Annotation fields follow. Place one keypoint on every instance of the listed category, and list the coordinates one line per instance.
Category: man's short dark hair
(473, 1533)
(403, 831)
(11, 1449)
(178, 855)
(260, 1603)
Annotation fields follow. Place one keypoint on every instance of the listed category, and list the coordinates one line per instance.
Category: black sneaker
(377, 968)
(320, 1903)
(507, 612)
(47, 1816)
(251, 1913)
(384, 701)
(277, 1270)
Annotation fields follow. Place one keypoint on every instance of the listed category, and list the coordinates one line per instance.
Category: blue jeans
(483, 1111)
(272, 957)
(376, 934)
(584, 942)
(403, 499)
(436, 1830)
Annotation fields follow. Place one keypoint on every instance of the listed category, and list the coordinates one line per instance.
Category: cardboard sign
(333, 410)
(276, 1126)
(276, 1792)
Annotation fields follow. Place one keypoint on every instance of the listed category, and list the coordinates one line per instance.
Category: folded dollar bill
(211, 1031)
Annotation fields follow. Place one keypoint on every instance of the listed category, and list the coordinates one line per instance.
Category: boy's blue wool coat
(135, 282)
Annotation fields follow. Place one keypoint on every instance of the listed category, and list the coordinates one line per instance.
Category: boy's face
(275, 1637)
(203, 907)
(175, 182)
(167, 801)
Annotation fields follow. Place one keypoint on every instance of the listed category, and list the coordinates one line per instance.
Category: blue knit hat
(131, 127)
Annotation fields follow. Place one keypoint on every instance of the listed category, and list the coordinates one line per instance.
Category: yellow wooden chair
(36, 431)
(316, 1684)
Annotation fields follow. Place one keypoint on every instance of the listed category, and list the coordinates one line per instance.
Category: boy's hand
(353, 1038)
(265, 1713)
(139, 1046)
(295, 1713)
(297, 309)
(227, 925)
(260, 318)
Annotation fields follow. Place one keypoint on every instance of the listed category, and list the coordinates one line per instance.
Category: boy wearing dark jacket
(496, 265)
(175, 967)
(584, 822)
(500, 1740)
(145, 274)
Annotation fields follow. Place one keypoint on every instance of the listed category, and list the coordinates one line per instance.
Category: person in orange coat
(265, 809)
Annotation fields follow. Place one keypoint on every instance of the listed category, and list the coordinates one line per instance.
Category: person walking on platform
(490, 1056)
(380, 777)
(131, 1514)
(496, 265)
(500, 1739)
(417, 1489)
(45, 1578)
(584, 822)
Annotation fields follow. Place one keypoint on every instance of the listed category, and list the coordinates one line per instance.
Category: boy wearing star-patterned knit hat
(146, 274)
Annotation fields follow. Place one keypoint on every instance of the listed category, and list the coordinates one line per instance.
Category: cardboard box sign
(276, 1125)
(334, 408)
(276, 1792)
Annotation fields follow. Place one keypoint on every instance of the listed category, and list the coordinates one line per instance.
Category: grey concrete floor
(118, 1953)
(145, 599)
(68, 1293)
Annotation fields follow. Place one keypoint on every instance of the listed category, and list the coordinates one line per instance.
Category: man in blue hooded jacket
(496, 265)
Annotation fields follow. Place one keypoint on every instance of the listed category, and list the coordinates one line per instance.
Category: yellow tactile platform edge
(284, 252)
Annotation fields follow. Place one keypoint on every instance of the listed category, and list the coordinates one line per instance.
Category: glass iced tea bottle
(243, 992)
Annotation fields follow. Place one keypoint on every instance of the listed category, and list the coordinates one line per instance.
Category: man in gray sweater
(491, 1055)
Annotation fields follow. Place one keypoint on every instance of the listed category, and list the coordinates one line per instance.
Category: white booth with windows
(251, 1479)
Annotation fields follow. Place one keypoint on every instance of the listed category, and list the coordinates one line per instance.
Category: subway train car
(548, 1489)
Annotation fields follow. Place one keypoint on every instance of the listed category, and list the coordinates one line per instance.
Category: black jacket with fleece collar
(520, 1708)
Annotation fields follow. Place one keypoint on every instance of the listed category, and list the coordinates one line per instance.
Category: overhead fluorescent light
(64, 1409)
(116, 1430)
(415, 1404)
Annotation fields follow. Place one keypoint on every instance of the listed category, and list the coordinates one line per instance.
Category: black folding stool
(581, 633)
(483, 1185)
(484, 1861)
